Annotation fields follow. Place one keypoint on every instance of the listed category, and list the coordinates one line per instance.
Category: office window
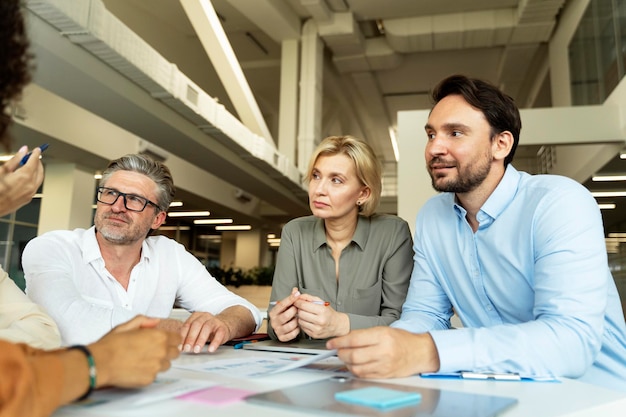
(596, 53)
(16, 229)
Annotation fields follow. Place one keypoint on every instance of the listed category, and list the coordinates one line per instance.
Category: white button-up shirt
(65, 273)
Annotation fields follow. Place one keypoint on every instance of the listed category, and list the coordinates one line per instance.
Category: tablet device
(319, 398)
(306, 346)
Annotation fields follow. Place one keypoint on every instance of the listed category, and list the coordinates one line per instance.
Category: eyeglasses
(132, 202)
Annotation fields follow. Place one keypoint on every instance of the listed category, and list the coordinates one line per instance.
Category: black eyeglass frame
(124, 195)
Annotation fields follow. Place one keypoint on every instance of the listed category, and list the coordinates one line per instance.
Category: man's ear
(502, 145)
(159, 219)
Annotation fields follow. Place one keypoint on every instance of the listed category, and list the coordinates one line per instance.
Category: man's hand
(17, 186)
(385, 352)
(133, 353)
(201, 327)
(235, 321)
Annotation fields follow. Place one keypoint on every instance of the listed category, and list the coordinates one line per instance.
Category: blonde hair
(367, 166)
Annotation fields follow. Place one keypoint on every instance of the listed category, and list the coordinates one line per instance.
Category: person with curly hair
(35, 382)
(21, 320)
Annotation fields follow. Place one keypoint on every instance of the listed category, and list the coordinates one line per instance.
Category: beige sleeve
(23, 321)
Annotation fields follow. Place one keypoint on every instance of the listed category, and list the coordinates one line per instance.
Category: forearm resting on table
(239, 320)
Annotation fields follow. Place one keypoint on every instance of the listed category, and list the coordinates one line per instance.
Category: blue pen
(240, 344)
(25, 158)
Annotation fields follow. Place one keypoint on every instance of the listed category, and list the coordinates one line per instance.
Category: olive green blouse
(374, 269)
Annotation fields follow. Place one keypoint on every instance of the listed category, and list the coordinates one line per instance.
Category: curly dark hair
(15, 59)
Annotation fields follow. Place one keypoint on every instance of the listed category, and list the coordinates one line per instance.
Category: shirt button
(338, 303)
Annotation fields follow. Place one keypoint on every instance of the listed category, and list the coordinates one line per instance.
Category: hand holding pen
(318, 319)
(17, 186)
(283, 316)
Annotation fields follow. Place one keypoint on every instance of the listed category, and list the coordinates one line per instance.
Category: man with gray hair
(91, 280)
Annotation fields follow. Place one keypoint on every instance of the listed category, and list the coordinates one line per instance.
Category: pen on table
(245, 342)
(473, 375)
(25, 157)
(505, 376)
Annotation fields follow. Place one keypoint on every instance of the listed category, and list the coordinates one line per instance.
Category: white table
(569, 398)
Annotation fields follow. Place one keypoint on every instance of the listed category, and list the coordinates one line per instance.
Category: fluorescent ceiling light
(176, 204)
(212, 221)
(609, 193)
(617, 234)
(273, 240)
(274, 244)
(174, 228)
(189, 213)
(607, 206)
(234, 227)
(210, 237)
(271, 236)
(609, 178)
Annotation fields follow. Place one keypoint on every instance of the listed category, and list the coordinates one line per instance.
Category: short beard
(117, 238)
(467, 179)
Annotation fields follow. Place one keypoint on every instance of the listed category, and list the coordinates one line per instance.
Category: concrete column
(228, 250)
(68, 194)
(248, 250)
(288, 113)
(244, 250)
(311, 85)
(558, 52)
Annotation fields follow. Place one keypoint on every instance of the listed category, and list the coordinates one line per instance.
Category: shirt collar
(504, 193)
(360, 234)
(91, 249)
(497, 201)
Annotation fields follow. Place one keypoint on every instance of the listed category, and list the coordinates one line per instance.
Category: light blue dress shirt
(532, 286)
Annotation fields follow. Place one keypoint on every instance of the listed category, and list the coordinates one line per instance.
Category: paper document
(253, 366)
(303, 362)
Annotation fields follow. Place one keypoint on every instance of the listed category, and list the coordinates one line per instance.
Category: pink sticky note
(216, 395)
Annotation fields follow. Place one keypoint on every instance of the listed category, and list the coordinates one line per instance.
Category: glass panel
(596, 53)
(30, 212)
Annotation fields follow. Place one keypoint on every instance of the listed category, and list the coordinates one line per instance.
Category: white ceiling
(384, 56)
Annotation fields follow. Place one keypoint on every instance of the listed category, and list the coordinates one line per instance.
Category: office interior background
(234, 95)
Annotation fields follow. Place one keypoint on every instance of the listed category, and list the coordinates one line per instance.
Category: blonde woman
(344, 267)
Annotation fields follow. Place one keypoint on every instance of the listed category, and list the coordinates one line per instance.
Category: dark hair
(499, 109)
(15, 60)
(155, 170)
